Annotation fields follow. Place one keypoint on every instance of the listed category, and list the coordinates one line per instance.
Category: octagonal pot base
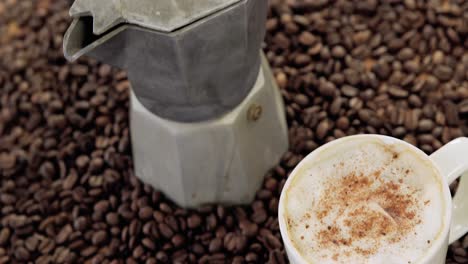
(223, 160)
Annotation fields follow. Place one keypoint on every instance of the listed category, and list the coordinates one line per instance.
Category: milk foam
(365, 201)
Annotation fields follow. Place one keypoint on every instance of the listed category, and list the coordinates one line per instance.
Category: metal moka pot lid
(161, 15)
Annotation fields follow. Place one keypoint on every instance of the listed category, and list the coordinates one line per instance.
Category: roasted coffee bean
(7, 161)
(425, 125)
(349, 91)
(398, 92)
(178, 240)
(259, 216)
(99, 237)
(443, 72)
(322, 129)
(215, 245)
(102, 206)
(112, 218)
(70, 181)
(165, 230)
(145, 213)
(276, 257)
(63, 235)
(301, 100)
(249, 229)
(68, 193)
(80, 223)
(235, 243)
(32, 242)
(22, 254)
(451, 113)
(194, 221)
(338, 52)
(4, 235)
(327, 88)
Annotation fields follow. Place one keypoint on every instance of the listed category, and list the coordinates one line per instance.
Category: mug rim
(436, 247)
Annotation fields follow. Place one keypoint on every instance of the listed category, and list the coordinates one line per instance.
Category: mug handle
(452, 161)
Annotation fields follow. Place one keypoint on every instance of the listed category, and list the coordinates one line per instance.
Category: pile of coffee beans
(68, 193)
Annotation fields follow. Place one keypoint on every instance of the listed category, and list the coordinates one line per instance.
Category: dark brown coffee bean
(134, 228)
(70, 181)
(7, 161)
(451, 113)
(249, 229)
(271, 184)
(178, 240)
(460, 252)
(148, 243)
(282, 80)
(145, 213)
(112, 218)
(301, 100)
(465, 242)
(235, 243)
(165, 230)
(31, 243)
(89, 251)
(63, 235)
(425, 125)
(80, 223)
(322, 129)
(281, 40)
(6, 259)
(165, 208)
(47, 170)
(302, 59)
(102, 206)
(194, 221)
(172, 222)
(211, 222)
(79, 70)
(415, 101)
(349, 91)
(22, 254)
(463, 108)
(4, 235)
(273, 241)
(382, 70)
(215, 245)
(336, 106)
(398, 92)
(307, 39)
(82, 161)
(198, 249)
(338, 52)
(411, 139)
(327, 89)
(259, 216)
(405, 54)
(104, 70)
(276, 257)
(459, 259)
(342, 123)
(411, 119)
(99, 237)
(365, 115)
(7, 199)
(443, 73)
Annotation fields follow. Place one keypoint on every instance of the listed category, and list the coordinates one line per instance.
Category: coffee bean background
(68, 193)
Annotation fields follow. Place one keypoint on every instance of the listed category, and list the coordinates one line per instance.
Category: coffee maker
(207, 119)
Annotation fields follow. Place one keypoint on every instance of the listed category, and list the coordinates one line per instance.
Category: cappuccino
(365, 201)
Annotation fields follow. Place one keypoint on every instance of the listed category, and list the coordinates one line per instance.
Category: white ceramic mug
(451, 161)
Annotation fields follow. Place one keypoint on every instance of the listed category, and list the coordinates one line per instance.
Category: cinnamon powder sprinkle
(366, 210)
